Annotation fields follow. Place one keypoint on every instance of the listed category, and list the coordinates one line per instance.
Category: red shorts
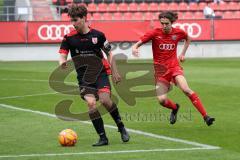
(168, 75)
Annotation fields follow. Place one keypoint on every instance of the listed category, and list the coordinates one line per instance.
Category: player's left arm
(111, 60)
(185, 47)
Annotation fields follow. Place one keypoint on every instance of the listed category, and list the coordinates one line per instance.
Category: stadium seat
(222, 6)
(149, 16)
(89, 17)
(180, 15)
(69, 1)
(127, 16)
(233, 6)
(182, 6)
(173, 6)
(102, 7)
(237, 14)
(107, 16)
(218, 14)
(228, 15)
(117, 16)
(188, 15)
(198, 15)
(153, 7)
(163, 6)
(143, 7)
(214, 6)
(133, 7)
(97, 16)
(92, 7)
(201, 6)
(112, 7)
(123, 7)
(137, 16)
(193, 6)
(65, 17)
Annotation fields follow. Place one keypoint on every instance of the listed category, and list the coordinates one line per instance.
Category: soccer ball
(67, 137)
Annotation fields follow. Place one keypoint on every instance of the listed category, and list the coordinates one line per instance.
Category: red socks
(169, 104)
(198, 104)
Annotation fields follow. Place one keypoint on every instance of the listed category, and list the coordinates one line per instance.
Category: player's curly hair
(75, 10)
(172, 16)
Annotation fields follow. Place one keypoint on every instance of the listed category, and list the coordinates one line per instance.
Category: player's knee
(91, 104)
(162, 99)
(187, 91)
(106, 101)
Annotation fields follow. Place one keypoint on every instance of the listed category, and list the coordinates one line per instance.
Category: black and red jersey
(87, 46)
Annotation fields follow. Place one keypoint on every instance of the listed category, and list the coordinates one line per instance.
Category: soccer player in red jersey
(87, 46)
(166, 64)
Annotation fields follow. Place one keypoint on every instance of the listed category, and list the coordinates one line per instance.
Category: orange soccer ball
(67, 137)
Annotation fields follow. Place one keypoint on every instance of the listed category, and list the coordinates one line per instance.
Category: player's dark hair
(75, 10)
(172, 16)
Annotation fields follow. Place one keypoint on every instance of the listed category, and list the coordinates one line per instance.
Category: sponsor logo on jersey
(168, 47)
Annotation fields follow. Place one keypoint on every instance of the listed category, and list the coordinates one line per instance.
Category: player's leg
(162, 88)
(105, 100)
(104, 93)
(183, 85)
(96, 119)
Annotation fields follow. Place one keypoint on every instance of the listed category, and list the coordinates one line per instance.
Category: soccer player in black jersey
(87, 46)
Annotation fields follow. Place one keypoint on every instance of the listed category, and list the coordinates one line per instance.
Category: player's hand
(116, 78)
(63, 63)
(181, 58)
(135, 52)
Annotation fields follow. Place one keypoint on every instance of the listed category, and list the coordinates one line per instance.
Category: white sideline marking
(104, 152)
(203, 146)
(28, 95)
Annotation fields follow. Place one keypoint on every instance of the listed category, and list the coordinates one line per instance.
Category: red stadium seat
(123, 7)
(173, 6)
(133, 7)
(222, 6)
(214, 6)
(149, 16)
(89, 17)
(153, 7)
(198, 15)
(97, 16)
(127, 16)
(65, 17)
(228, 15)
(54, 1)
(233, 6)
(237, 14)
(102, 7)
(143, 7)
(183, 6)
(218, 14)
(107, 16)
(137, 16)
(92, 7)
(201, 6)
(69, 1)
(188, 15)
(193, 6)
(117, 16)
(163, 6)
(112, 7)
(180, 15)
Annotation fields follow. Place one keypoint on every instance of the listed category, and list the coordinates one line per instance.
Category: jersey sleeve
(183, 35)
(64, 49)
(147, 36)
(104, 44)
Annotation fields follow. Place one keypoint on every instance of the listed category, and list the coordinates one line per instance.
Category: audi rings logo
(166, 46)
(53, 32)
(194, 30)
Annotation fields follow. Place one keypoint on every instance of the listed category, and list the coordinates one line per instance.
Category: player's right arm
(135, 48)
(144, 39)
(64, 49)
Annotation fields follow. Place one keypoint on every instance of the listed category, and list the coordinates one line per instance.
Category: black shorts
(102, 84)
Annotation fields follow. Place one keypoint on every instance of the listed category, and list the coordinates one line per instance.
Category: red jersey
(164, 46)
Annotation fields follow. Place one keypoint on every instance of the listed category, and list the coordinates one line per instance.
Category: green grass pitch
(29, 135)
